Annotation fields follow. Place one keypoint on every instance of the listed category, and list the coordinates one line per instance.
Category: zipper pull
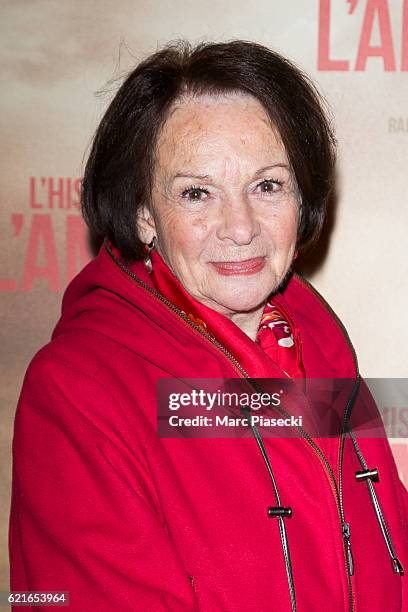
(346, 536)
(397, 567)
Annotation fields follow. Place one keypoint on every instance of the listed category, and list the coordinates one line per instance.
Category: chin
(244, 294)
(239, 302)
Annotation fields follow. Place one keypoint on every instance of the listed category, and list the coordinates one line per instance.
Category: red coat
(124, 520)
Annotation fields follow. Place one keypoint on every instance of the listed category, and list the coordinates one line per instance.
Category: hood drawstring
(371, 476)
(276, 511)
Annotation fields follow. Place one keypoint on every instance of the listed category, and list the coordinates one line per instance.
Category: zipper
(345, 526)
(337, 491)
(346, 536)
(194, 587)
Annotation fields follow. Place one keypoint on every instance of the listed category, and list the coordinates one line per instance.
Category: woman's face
(224, 202)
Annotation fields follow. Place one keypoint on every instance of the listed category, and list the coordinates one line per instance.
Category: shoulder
(307, 304)
(317, 321)
(60, 374)
(84, 350)
(67, 396)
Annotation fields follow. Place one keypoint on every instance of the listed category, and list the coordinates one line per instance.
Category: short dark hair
(119, 173)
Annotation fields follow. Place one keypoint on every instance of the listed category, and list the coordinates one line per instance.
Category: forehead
(212, 125)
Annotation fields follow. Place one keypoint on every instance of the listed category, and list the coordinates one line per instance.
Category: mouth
(244, 267)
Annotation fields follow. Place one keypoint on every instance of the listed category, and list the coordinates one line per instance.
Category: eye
(270, 186)
(194, 193)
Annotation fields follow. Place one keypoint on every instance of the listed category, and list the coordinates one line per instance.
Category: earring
(147, 260)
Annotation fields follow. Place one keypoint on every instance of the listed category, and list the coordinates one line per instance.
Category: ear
(145, 224)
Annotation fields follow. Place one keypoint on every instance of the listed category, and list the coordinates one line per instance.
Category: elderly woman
(210, 170)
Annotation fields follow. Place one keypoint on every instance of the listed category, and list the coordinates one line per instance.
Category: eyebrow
(186, 174)
(191, 175)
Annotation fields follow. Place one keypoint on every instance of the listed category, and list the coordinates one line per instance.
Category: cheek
(184, 236)
(283, 231)
(199, 228)
(290, 233)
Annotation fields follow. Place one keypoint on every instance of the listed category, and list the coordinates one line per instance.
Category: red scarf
(275, 332)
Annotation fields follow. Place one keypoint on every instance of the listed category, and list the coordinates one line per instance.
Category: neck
(248, 322)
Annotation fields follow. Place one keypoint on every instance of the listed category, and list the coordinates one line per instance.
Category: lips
(244, 267)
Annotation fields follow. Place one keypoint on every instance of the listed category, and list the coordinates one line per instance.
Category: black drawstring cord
(278, 511)
(371, 475)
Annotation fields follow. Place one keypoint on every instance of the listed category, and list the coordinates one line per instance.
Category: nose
(238, 222)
